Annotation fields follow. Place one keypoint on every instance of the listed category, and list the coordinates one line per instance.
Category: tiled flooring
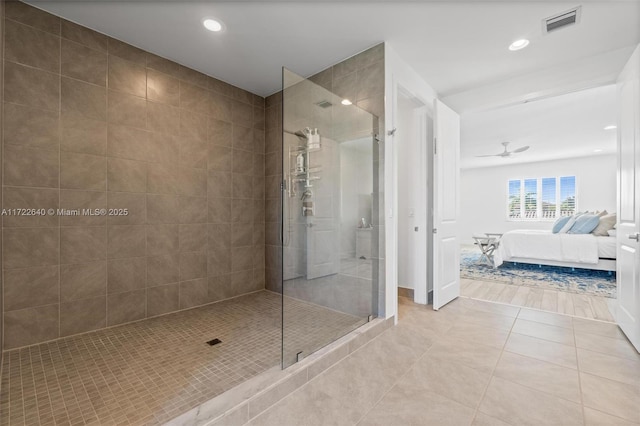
(151, 371)
(475, 363)
(580, 305)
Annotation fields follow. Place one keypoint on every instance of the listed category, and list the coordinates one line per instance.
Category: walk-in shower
(323, 184)
(139, 316)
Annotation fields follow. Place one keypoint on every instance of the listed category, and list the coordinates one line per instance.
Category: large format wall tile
(82, 281)
(32, 325)
(82, 244)
(32, 127)
(30, 167)
(29, 287)
(84, 315)
(83, 63)
(84, 98)
(94, 126)
(25, 247)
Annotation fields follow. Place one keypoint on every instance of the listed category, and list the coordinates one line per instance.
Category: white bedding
(544, 245)
(606, 247)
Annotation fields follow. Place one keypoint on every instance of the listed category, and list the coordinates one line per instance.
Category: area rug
(581, 281)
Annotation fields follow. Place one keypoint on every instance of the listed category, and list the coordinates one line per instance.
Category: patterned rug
(582, 281)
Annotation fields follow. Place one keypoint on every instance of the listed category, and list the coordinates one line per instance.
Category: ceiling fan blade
(490, 155)
(522, 149)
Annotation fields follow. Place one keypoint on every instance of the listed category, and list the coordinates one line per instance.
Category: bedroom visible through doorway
(530, 169)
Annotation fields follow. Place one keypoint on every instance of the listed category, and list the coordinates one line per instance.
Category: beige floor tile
(540, 375)
(520, 405)
(565, 303)
(474, 355)
(521, 296)
(468, 330)
(546, 318)
(544, 331)
(404, 406)
(543, 350)
(600, 308)
(361, 379)
(582, 305)
(487, 319)
(307, 406)
(598, 418)
(608, 345)
(494, 308)
(610, 367)
(484, 420)
(507, 295)
(601, 328)
(615, 398)
(449, 379)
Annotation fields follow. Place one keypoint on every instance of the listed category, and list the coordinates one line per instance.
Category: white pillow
(612, 232)
(567, 226)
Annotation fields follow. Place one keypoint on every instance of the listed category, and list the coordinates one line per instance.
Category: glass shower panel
(328, 241)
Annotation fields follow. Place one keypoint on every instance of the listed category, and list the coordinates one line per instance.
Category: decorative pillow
(602, 213)
(612, 232)
(606, 223)
(568, 224)
(584, 224)
(559, 224)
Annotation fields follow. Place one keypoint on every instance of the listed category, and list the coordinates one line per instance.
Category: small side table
(487, 244)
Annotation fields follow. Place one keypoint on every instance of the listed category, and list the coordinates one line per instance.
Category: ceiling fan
(506, 152)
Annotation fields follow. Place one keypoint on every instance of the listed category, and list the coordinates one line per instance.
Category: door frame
(420, 117)
(420, 291)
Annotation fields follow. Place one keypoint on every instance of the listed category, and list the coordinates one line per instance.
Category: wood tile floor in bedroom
(562, 302)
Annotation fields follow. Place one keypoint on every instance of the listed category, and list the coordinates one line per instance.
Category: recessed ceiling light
(212, 25)
(612, 127)
(519, 44)
(346, 102)
(597, 150)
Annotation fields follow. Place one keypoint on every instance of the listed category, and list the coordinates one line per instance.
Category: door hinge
(435, 230)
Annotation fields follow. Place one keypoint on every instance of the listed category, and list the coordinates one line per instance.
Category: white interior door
(446, 205)
(323, 227)
(628, 262)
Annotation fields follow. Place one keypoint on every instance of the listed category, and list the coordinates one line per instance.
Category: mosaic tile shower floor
(151, 371)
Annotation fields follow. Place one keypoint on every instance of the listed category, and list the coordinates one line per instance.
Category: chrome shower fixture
(308, 193)
(304, 133)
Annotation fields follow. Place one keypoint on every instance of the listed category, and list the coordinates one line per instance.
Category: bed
(546, 248)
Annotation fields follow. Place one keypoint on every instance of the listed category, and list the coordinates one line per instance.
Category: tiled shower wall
(361, 80)
(94, 123)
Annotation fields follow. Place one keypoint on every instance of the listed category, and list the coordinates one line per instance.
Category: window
(541, 198)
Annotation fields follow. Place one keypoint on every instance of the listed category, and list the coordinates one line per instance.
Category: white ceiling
(565, 126)
(460, 48)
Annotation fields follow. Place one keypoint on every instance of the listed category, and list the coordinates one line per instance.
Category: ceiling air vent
(324, 104)
(561, 20)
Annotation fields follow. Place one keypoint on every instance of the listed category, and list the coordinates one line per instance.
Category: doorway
(413, 135)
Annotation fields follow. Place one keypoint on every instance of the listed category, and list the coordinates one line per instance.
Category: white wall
(356, 187)
(398, 75)
(408, 180)
(484, 191)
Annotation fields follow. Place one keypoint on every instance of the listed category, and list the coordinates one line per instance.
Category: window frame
(539, 215)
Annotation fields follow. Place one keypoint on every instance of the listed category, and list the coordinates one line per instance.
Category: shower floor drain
(214, 342)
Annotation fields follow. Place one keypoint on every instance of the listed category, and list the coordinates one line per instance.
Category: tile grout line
(394, 383)
(484, 393)
(584, 417)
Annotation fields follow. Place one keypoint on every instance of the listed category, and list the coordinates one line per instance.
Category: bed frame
(602, 265)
